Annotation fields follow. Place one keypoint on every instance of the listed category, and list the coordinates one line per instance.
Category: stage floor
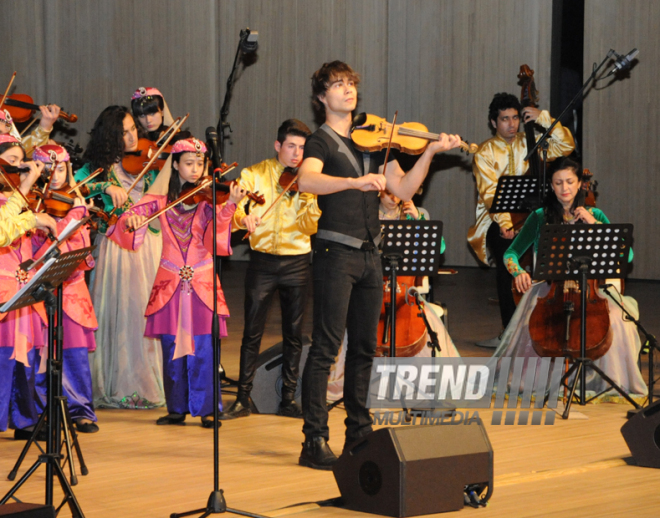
(578, 467)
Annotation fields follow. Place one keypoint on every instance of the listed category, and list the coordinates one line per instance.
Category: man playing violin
(279, 260)
(37, 137)
(347, 275)
(501, 155)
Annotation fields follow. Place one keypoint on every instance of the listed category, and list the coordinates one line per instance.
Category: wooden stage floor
(575, 468)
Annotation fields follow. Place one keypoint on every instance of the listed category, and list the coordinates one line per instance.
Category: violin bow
(389, 142)
(156, 154)
(28, 126)
(11, 82)
(203, 184)
(275, 201)
(83, 182)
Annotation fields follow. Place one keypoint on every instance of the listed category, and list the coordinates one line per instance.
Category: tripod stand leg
(75, 442)
(70, 498)
(577, 367)
(22, 480)
(614, 385)
(26, 448)
(66, 424)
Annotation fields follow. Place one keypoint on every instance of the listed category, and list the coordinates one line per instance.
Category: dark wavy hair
(552, 208)
(324, 76)
(292, 127)
(175, 187)
(106, 143)
(502, 101)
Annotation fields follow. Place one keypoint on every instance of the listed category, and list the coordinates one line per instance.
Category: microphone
(414, 293)
(212, 143)
(623, 62)
(249, 40)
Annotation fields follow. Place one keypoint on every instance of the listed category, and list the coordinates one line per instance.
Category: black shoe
(207, 422)
(86, 427)
(238, 409)
(317, 454)
(289, 409)
(22, 434)
(172, 419)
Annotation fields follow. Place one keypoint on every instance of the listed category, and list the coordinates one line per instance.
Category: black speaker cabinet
(642, 435)
(27, 511)
(414, 470)
(267, 390)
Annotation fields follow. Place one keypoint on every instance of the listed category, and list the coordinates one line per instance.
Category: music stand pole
(52, 274)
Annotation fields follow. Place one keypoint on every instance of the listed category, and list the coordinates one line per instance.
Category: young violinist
(565, 205)
(347, 275)
(503, 155)
(39, 135)
(151, 112)
(179, 312)
(13, 222)
(126, 366)
(22, 330)
(79, 320)
(279, 261)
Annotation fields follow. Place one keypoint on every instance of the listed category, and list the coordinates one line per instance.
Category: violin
(21, 107)
(134, 161)
(221, 195)
(372, 133)
(288, 179)
(549, 325)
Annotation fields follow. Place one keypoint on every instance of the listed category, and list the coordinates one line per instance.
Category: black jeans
(498, 246)
(267, 273)
(348, 293)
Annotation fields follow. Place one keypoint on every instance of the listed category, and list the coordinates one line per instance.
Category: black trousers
(267, 273)
(498, 246)
(348, 293)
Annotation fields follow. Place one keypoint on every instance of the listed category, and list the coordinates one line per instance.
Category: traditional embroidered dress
(619, 363)
(127, 366)
(21, 331)
(181, 301)
(78, 322)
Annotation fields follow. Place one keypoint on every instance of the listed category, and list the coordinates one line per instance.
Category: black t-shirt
(350, 212)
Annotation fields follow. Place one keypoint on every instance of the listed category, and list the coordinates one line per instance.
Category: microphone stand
(591, 78)
(216, 503)
(650, 338)
(224, 111)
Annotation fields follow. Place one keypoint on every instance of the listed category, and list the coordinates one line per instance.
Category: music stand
(416, 245)
(516, 194)
(52, 274)
(578, 252)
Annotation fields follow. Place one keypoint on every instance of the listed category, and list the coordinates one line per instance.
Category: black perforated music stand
(52, 274)
(413, 248)
(579, 252)
(516, 194)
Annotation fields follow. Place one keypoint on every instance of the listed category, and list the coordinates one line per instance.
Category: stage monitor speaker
(415, 470)
(642, 435)
(267, 389)
(22, 510)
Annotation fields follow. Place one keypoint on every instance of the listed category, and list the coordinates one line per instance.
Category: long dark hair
(148, 105)
(8, 145)
(552, 207)
(106, 143)
(174, 188)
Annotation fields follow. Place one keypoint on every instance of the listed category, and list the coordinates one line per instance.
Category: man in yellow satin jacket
(279, 260)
